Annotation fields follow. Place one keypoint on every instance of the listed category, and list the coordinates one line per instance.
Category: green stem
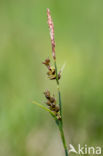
(56, 72)
(63, 137)
(60, 105)
(60, 124)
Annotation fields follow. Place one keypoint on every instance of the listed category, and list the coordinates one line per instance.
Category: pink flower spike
(51, 28)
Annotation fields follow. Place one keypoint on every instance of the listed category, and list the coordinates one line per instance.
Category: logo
(85, 149)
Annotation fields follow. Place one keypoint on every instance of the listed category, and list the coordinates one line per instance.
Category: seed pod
(46, 62)
(47, 94)
(51, 71)
(53, 105)
(52, 99)
(57, 108)
(48, 103)
(58, 117)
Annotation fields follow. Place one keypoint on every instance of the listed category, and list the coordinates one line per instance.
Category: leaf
(45, 108)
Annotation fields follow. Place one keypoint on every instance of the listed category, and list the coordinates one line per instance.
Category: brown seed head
(47, 94)
(58, 117)
(46, 62)
(52, 100)
(57, 108)
(48, 103)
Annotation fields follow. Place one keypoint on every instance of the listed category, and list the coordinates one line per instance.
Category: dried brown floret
(57, 108)
(51, 102)
(52, 99)
(47, 94)
(48, 103)
(58, 117)
(46, 62)
(51, 70)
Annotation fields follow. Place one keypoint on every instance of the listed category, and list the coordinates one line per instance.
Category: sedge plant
(53, 108)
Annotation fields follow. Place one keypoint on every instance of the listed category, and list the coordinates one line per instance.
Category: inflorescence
(51, 102)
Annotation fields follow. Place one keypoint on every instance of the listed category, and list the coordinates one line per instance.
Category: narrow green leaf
(45, 108)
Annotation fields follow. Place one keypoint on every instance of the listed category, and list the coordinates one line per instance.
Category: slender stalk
(60, 105)
(63, 138)
(60, 122)
(56, 72)
(60, 125)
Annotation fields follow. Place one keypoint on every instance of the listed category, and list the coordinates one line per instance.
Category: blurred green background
(25, 129)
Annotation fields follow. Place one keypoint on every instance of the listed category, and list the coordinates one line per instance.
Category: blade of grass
(45, 108)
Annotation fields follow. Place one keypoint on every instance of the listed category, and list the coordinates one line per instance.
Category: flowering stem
(59, 122)
(63, 137)
(60, 105)
(60, 125)
(56, 72)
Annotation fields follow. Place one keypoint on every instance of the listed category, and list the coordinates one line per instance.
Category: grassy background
(25, 130)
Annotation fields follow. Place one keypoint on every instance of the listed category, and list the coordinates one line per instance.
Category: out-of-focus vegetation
(25, 130)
